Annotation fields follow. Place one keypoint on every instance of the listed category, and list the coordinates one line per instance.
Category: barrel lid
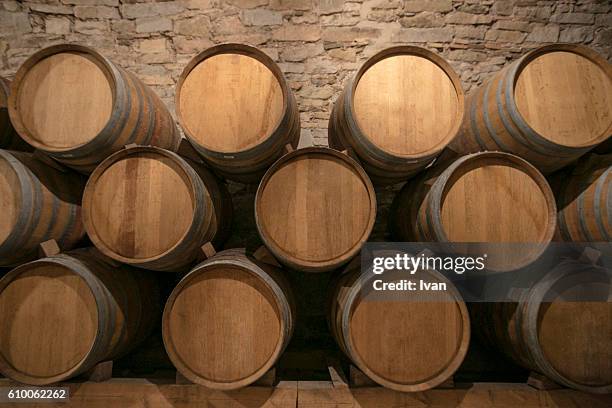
(420, 342)
(10, 196)
(494, 197)
(315, 207)
(48, 322)
(230, 98)
(572, 333)
(490, 199)
(407, 101)
(62, 97)
(140, 203)
(223, 326)
(564, 93)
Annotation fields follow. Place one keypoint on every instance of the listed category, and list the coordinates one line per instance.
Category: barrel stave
(409, 368)
(123, 307)
(210, 206)
(202, 291)
(525, 333)
(383, 165)
(48, 207)
(583, 200)
(321, 239)
(494, 119)
(137, 115)
(246, 165)
(445, 205)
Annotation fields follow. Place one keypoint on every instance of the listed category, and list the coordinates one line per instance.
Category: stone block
(96, 12)
(544, 34)
(416, 6)
(153, 25)
(307, 33)
(261, 17)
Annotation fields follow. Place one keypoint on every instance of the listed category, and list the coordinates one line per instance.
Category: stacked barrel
(559, 327)
(66, 312)
(314, 209)
(78, 107)
(90, 150)
(419, 343)
(228, 320)
(398, 113)
(486, 197)
(584, 199)
(63, 314)
(473, 178)
(150, 208)
(148, 202)
(545, 111)
(243, 131)
(39, 202)
(550, 107)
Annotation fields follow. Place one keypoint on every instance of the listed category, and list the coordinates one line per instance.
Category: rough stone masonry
(318, 44)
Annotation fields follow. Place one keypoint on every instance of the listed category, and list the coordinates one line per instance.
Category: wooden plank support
(139, 392)
(101, 372)
(590, 255)
(269, 379)
(338, 378)
(181, 379)
(263, 254)
(541, 382)
(448, 384)
(358, 379)
(187, 150)
(48, 248)
(350, 153)
(208, 250)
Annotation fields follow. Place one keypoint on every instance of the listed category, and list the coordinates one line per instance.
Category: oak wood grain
(406, 104)
(315, 207)
(52, 105)
(227, 322)
(566, 98)
(231, 102)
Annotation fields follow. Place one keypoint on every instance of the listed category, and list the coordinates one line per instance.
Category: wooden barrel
(402, 108)
(61, 315)
(151, 208)
(228, 321)
(549, 107)
(584, 201)
(9, 139)
(237, 110)
(314, 209)
(406, 344)
(77, 106)
(488, 197)
(554, 329)
(38, 202)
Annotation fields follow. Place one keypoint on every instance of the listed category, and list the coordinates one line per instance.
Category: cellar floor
(314, 394)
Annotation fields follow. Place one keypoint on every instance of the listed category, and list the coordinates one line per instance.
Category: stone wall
(318, 44)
